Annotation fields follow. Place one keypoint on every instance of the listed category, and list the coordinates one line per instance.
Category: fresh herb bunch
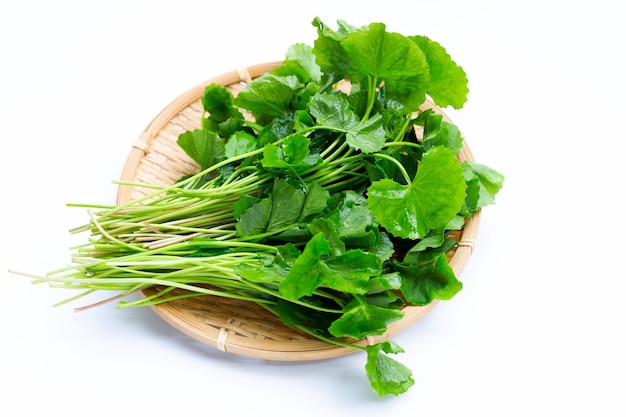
(316, 197)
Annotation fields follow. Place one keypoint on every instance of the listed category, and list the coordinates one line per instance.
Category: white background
(538, 328)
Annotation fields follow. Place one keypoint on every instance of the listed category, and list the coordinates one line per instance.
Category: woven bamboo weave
(231, 325)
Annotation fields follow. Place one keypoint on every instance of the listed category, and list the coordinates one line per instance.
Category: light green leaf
(390, 58)
(240, 143)
(203, 146)
(490, 182)
(448, 81)
(421, 285)
(386, 375)
(368, 136)
(269, 96)
(303, 55)
(430, 201)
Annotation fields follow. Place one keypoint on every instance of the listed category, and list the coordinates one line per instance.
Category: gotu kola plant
(316, 198)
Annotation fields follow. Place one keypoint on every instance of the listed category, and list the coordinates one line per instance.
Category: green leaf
(332, 110)
(316, 201)
(304, 277)
(267, 271)
(368, 136)
(350, 272)
(386, 299)
(448, 81)
(384, 248)
(287, 204)
(223, 117)
(361, 319)
(255, 218)
(240, 143)
(390, 58)
(244, 203)
(473, 192)
(302, 54)
(270, 269)
(277, 129)
(293, 152)
(421, 285)
(438, 132)
(383, 283)
(331, 234)
(216, 98)
(203, 146)
(269, 96)
(429, 248)
(490, 181)
(356, 224)
(433, 198)
(293, 314)
(433, 240)
(386, 375)
(327, 47)
(302, 120)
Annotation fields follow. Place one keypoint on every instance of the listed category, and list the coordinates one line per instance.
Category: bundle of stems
(183, 236)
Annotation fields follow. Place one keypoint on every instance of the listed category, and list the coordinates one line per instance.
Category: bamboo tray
(232, 325)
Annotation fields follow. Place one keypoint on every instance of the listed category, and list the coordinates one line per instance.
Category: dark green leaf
(472, 199)
(245, 202)
(305, 276)
(303, 120)
(317, 200)
(357, 226)
(333, 110)
(291, 153)
(350, 272)
(277, 129)
(438, 132)
(386, 299)
(216, 97)
(298, 315)
(384, 248)
(329, 229)
(223, 117)
(360, 320)
(421, 285)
